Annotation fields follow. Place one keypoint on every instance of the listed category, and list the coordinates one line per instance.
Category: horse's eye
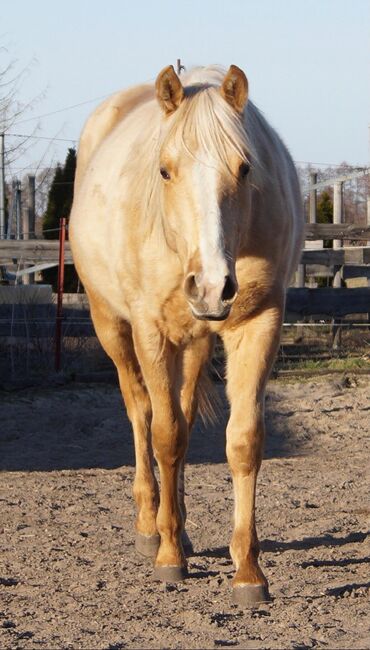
(164, 173)
(244, 170)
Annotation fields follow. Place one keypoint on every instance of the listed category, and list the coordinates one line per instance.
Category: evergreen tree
(54, 210)
(325, 208)
(324, 213)
(60, 196)
(59, 205)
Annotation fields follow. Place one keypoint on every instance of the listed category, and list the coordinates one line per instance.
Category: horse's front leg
(170, 439)
(116, 339)
(250, 349)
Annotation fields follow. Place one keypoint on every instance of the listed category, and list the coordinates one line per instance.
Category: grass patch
(345, 364)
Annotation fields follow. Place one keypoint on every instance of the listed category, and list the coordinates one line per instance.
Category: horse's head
(203, 164)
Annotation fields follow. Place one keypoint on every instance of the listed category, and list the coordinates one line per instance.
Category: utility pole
(179, 67)
(313, 198)
(2, 186)
(31, 206)
(18, 209)
(12, 211)
(29, 221)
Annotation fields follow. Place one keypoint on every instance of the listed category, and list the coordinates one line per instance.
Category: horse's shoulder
(105, 118)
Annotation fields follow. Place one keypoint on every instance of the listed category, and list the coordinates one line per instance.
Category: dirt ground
(69, 575)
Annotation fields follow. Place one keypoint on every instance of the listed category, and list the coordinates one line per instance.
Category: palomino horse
(187, 222)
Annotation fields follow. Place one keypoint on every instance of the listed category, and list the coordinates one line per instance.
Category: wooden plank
(348, 271)
(337, 257)
(324, 257)
(38, 251)
(355, 271)
(320, 270)
(328, 301)
(352, 254)
(33, 251)
(337, 231)
(38, 321)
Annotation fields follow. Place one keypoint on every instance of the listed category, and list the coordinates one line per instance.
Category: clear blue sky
(307, 62)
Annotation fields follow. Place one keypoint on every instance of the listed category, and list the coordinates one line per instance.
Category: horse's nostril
(190, 287)
(229, 290)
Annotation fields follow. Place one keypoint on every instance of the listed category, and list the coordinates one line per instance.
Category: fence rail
(39, 320)
(336, 303)
(42, 250)
(348, 231)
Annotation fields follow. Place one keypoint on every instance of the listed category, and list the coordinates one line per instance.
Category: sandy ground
(69, 575)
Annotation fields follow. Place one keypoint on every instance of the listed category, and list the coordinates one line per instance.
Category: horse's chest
(176, 321)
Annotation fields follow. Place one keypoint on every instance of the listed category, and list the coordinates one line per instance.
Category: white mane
(206, 119)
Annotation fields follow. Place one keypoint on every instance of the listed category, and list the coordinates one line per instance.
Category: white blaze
(205, 181)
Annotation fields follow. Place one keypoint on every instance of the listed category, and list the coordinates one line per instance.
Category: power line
(67, 108)
(61, 110)
(41, 137)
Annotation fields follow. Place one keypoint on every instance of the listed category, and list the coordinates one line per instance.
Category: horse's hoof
(186, 544)
(250, 595)
(147, 545)
(170, 573)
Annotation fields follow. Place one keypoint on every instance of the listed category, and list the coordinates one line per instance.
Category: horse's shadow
(277, 546)
(326, 540)
(40, 443)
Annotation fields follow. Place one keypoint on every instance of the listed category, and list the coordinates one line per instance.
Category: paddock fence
(320, 322)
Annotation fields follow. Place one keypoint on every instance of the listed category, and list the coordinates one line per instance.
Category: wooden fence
(302, 301)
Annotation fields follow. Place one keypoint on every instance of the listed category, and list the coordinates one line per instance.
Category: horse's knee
(244, 449)
(144, 490)
(170, 439)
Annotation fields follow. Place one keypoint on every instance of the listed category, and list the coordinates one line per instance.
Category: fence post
(2, 186)
(313, 198)
(300, 276)
(60, 289)
(337, 218)
(18, 210)
(31, 206)
(337, 243)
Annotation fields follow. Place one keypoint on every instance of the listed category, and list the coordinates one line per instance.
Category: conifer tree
(59, 205)
(325, 213)
(60, 196)
(325, 208)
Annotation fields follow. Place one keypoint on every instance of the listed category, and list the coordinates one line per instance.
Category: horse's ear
(234, 88)
(170, 92)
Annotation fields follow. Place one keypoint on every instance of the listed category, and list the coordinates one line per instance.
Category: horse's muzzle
(207, 316)
(210, 301)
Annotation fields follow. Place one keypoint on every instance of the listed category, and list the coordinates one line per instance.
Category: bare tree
(12, 109)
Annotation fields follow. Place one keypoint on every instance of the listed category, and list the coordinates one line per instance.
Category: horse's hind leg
(115, 337)
(193, 359)
(251, 349)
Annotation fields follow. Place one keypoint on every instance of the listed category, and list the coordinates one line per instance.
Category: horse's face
(203, 198)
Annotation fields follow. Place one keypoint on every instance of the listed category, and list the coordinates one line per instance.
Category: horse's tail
(209, 400)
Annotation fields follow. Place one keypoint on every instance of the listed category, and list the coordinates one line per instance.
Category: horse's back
(104, 119)
(276, 203)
